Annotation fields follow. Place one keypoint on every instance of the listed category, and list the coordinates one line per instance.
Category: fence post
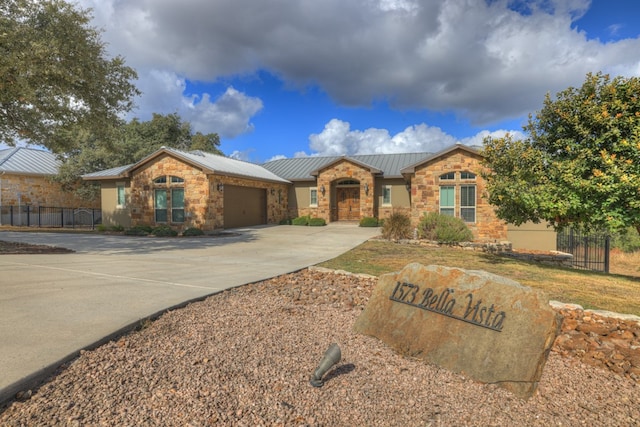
(607, 243)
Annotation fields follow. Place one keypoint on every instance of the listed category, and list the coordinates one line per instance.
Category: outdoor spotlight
(330, 358)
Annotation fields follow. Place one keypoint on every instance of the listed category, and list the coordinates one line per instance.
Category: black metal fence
(590, 250)
(49, 217)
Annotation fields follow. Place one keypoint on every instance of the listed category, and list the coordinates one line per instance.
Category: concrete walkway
(53, 306)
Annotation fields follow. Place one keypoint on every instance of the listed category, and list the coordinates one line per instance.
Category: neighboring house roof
(28, 161)
(208, 162)
(304, 168)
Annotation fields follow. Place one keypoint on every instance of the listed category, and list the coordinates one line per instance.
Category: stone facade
(329, 178)
(38, 190)
(425, 192)
(203, 194)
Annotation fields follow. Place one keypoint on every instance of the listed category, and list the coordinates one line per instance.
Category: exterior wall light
(366, 188)
(220, 186)
(322, 190)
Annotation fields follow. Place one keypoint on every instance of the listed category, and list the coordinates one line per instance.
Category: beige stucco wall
(425, 192)
(400, 197)
(112, 214)
(38, 190)
(532, 236)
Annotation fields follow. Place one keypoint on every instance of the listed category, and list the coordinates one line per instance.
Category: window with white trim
(160, 205)
(313, 196)
(386, 195)
(447, 200)
(120, 195)
(468, 203)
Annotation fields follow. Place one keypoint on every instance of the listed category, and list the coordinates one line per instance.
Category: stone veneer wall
(344, 169)
(204, 203)
(425, 192)
(39, 190)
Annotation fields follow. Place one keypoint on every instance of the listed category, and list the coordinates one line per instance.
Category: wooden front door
(348, 203)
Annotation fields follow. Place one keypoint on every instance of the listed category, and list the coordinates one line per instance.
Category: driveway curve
(54, 305)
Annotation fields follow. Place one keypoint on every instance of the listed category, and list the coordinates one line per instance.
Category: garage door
(244, 206)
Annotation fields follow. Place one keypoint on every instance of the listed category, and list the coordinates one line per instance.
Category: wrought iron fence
(50, 217)
(590, 250)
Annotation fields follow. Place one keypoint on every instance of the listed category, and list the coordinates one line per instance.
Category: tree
(580, 163)
(55, 74)
(126, 144)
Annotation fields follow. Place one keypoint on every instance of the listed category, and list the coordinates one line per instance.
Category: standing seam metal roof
(300, 168)
(22, 160)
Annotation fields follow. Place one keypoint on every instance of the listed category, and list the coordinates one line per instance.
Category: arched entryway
(348, 200)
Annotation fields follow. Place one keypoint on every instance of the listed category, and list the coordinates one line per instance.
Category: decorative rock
(486, 326)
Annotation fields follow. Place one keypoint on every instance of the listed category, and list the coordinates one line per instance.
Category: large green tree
(55, 74)
(580, 161)
(126, 144)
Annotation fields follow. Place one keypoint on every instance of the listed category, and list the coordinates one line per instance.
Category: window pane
(447, 200)
(177, 198)
(467, 175)
(160, 180)
(447, 211)
(175, 179)
(468, 214)
(314, 196)
(177, 215)
(161, 205)
(467, 195)
(120, 191)
(447, 176)
(386, 195)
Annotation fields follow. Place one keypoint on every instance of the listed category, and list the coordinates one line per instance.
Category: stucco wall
(400, 198)
(38, 190)
(112, 214)
(532, 236)
(425, 192)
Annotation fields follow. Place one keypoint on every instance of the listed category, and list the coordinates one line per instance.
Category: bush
(301, 220)
(628, 241)
(443, 228)
(317, 222)
(101, 228)
(397, 226)
(138, 230)
(286, 221)
(164, 231)
(116, 228)
(368, 221)
(192, 231)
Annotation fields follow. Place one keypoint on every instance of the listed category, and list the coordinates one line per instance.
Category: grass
(618, 292)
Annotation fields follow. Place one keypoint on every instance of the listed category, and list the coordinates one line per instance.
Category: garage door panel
(244, 206)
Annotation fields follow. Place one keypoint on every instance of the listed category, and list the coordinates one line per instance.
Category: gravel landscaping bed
(244, 358)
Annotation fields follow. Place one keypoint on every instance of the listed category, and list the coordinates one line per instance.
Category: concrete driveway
(53, 306)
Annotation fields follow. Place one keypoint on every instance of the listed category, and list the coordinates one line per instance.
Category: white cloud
(481, 59)
(337, 138)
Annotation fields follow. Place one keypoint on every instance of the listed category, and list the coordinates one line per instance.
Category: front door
(348, 203)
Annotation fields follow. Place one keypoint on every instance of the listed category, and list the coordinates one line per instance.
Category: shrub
(443, 228)
(192, 231)
(286, 221)
(101, 228)
(164, 231)
(368, 221)
(397, 226)
(301, 220)
(317, 222)
(138, 230)
(117, 228)
(627, 241)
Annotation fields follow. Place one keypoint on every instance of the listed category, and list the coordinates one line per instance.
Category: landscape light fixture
(330, 358)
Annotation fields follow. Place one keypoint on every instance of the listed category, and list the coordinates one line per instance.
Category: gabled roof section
(207, 162)
(303, 168)
(28, 161)
(372, 169)
(412, 167)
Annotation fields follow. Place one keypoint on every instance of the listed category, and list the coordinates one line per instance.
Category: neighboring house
(25, 180)
(197, 189)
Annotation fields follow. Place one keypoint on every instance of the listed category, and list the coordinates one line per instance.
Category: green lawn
(613, 292)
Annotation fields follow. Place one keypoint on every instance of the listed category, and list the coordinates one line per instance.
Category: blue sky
(284, 78)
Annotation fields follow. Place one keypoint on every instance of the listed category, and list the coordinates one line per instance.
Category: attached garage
(244, 206)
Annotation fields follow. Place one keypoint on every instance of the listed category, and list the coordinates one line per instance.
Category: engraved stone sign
(473, 322)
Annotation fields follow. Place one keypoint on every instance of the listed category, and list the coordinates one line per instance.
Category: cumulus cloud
(337, 138)
(485, 60)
